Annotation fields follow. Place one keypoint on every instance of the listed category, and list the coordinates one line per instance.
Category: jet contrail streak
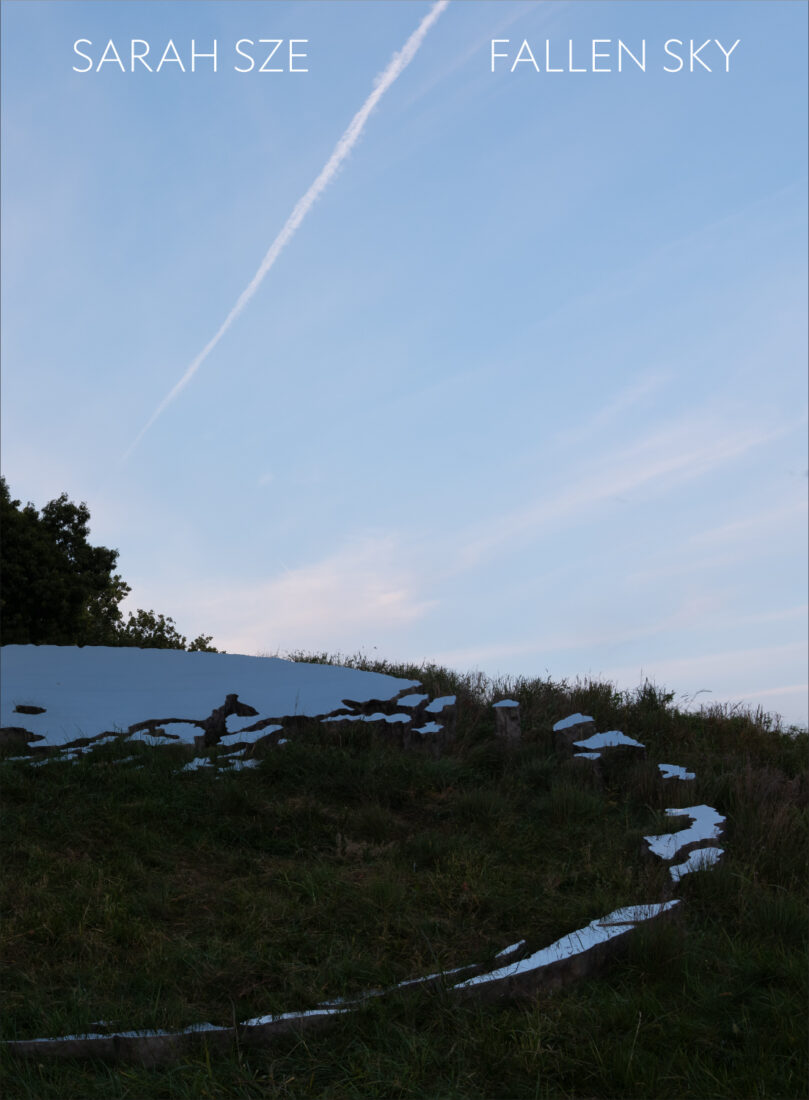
(397, 64)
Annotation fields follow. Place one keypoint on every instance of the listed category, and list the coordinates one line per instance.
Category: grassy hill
(150, 898)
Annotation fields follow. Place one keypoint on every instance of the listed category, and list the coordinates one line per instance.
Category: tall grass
(146, 897)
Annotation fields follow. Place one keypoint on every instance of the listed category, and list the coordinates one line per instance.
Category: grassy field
(146, 898)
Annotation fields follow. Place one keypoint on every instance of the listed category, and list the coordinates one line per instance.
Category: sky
(523, 387)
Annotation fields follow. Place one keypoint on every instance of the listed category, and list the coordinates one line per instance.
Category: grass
(148, 898)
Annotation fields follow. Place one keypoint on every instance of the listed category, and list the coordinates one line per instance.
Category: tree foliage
(149, 630)
(57, 589)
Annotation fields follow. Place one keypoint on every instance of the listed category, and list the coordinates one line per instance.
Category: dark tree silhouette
(57, 589)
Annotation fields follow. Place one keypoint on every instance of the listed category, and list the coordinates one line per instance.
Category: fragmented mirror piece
(698, 860)
(511, 949)
(576, 943)
(411, 700)
(197, 763)
(391, 719)
(608, 740)
(258, 1021)
(440, 704)
(582, 946)
(430, 727)
(249, 736)
(571, 720)
(87, 691)
(675, 771)
(706, 825)
(231, 764)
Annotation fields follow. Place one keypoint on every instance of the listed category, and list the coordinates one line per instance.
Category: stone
(507, 721)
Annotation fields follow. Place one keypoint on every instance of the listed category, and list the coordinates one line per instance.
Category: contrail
(397, 65)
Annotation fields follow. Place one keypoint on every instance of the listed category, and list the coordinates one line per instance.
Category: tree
(57, 589)
(151, 631)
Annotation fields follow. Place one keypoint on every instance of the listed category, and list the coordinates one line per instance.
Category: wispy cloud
(763, 524)
(482, 44)
(685, 450)
(627, 398)
(349, 139)
(728, 676)
(719, 548)
(801, 611)
(691, 615)
(789, 689)
(584, 641)
(728, 670)
(342, 600)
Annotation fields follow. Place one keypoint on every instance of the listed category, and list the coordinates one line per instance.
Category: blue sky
(525, 391)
